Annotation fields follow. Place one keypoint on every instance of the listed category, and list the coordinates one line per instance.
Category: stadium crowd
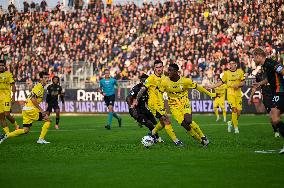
(201, 36)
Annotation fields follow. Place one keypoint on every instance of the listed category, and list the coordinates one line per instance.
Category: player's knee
(186, 123)
(165, 119)
(26, 130)
(7, 114)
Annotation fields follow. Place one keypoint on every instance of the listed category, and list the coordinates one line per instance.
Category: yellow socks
(171, 132)
(157, 128)
(224, 113)
(196, 128)
(16, 133)
(235, 119)
(194, 135)
(216, 112)
(44, 129)
(6, 130)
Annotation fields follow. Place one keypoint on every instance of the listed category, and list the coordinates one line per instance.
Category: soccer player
(156, 101)
(219, 100)
(140, 112)
(107, 88)
(6, 83)
(266, 96)
(234, 79)
(33, 112)
(177, 88)
(53, 91)
(275, 77)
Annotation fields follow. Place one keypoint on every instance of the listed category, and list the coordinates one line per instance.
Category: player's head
(44, 77)
(158, 67)
(143, 77)
(233, 65)
(173, 70)
(55, 80)
(107, 73)
(2, 65)
(259, 56)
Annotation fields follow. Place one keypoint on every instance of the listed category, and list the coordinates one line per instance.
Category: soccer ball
(147, 141)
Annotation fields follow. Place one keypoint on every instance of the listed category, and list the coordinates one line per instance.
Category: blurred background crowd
(202, 36)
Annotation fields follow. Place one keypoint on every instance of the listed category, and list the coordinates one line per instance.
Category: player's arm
(118, 88)
(13, 91)
(237, 86)
(100, 89)
(33, 98)
(261, 83)
(130, 99)
(139, 95)
(215, 85)
(203, 90)
(61, 95)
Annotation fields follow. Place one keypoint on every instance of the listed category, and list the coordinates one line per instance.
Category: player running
(219, 101)
(53, 91)
(275, 77)
(234, 79)
(266, 96)
(6, 83)
(177, 88)
(156, 102)
(107, 88)
(33, 112)
(140, 112)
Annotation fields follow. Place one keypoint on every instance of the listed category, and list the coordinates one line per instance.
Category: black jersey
(273, 70)
(143, 99)
(265, 89)
(53, 91)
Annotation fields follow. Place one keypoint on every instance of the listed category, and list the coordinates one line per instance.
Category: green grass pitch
(84, 154)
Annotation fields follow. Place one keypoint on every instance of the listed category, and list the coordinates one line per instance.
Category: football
(147, 141)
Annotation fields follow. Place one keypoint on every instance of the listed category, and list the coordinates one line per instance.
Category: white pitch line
(98, 128)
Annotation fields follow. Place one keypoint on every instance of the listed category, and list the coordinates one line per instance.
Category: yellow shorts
(5, 104)
(235, 102)
(157, 108)
(178, 111)
(30, 114)
(219, 102)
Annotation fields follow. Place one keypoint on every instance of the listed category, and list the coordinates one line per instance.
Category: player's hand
(250, 101)
(208, 87)
(213, 95)
(256, 85)
(235, 86)
(135, 102)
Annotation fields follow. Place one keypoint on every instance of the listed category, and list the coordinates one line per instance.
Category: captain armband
(279, 68)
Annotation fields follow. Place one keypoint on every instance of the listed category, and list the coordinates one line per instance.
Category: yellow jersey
(177, 91)
(38, 91)
(231, 78)
(6, 79)
(152, 83)
(221, 91)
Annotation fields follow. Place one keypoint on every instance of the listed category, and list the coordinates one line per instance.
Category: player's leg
(44, 129)
(57, 116)
(3, 123)
(7, 109)
(165, 120)
(267, 101)
(215, 107)
(115, 115)
(110, 116)
(233, 106)
(237, 113)
(27, 123)
(224, 111)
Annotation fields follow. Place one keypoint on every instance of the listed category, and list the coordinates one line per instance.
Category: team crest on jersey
(181, 87)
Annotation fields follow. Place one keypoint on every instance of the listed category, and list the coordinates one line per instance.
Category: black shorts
(109, 100)
(53, 106)
(144, 115)
(267, 101)
(278, 101)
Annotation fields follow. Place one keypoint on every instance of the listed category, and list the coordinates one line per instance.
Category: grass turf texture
(83, 153)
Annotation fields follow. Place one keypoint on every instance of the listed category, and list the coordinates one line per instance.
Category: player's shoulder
(38, 89)
(240, 71)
